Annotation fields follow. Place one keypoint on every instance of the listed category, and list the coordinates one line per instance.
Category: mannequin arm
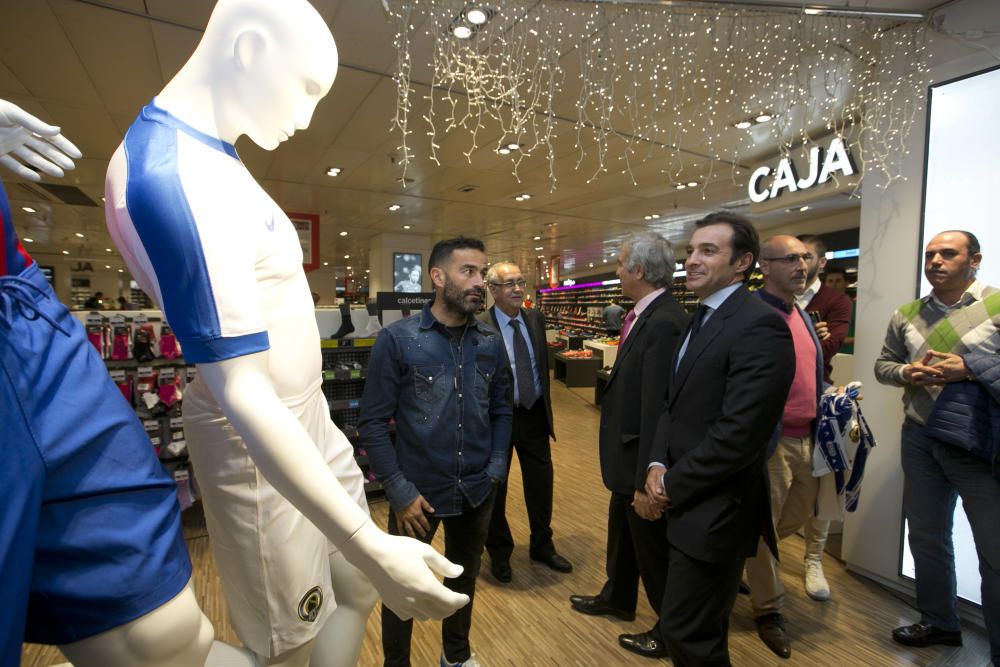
(37, 144)
(401, 569)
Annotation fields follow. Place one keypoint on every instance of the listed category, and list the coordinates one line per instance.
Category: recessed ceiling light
(326, 263)
(368, 270)
(812, 11)
(462, 31)
(513, 146)
(347, 256)
(680, 186)
(742, 125)
(343, 233)
(763, 118)
(102, 199)
(693, 184)
(348, 268)
(805, 208)
(591, 265)
(605, 260)
(503, 150)
(27, 240)
(540, 256)
(540, 248)
(78, 235)
(65, 252)
(536, 238)
(334, 171)
(121, 270)
(28, 209)
(107, 266)
(108, 250)
(476, 16)
(406, 226)
(394, 207)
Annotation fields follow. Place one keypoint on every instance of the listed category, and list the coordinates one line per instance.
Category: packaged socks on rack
(121, 333)
(168, 343)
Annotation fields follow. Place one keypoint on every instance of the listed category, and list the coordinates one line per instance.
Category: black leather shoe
(771, 628)
(919, 634)
(556, 562)
(501, 571)
(594, 605)
(645, 643)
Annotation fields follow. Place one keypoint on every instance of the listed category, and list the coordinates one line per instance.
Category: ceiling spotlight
(65, 252)
(78, 235)
(526, 196)
(368, 270)
(343, 233)
(536, 238)
(107, 266)
(591, 265)
(107, 250)
(742, 125)
(334, 171)
(654, 216)
(407, 226)
(812, 11)
(680, 186)
(763, 118)
(27, 240)
(476, 16)
(347, 256)
(540, 248)
(540, 256)
(503, 150)
(462, 31)
(692, 184)
(348, 268)
(513, 146)
(28, 209)
(326, 263)
(804, 208)
(121, 270)
(394, 207)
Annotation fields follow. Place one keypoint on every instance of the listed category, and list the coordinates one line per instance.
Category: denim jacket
(451, 403)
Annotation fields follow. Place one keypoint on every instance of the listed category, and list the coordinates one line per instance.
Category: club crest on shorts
(310, 604)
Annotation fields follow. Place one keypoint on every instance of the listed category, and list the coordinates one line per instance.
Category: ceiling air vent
(69, 194)
(468, 188)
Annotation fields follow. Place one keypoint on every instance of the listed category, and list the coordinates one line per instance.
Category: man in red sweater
(783, 261)
(833, 308)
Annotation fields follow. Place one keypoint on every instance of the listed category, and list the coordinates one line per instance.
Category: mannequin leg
(177, 634)
(339, 642)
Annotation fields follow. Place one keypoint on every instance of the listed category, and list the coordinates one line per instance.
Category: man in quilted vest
(928, 345)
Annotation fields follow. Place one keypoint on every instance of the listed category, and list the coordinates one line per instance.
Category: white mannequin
(176, 634)
(260, 70)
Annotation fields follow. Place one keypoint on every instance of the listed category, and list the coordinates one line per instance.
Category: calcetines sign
(823, 165)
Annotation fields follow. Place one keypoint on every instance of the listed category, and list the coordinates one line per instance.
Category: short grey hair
(654, 255)
(491, 273)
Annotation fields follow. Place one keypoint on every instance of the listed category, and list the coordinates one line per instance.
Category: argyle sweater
(927, 324)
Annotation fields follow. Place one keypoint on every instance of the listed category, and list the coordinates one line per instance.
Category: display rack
(580, 308)
(345, 369)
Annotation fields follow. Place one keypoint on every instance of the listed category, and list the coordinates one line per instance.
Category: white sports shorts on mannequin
(273, 562)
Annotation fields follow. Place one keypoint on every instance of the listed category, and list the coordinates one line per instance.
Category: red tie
(629, 319)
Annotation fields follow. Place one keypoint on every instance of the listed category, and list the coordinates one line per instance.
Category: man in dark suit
(731, 377)
(633, 400)
(523, 332)
(834, 311)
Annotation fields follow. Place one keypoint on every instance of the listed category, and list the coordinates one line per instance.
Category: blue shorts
(90, 535)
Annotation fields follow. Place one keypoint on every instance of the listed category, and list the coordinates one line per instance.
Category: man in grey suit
(523, 332)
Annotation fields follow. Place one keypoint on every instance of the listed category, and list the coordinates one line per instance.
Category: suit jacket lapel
(637, 326)
(709, 331)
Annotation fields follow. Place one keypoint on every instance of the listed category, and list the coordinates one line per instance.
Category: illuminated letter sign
(836, 158)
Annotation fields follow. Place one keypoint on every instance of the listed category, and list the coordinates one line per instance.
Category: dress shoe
(594, 605)
(771, 628)
(647, 644)
(919, 634)
(501, 571)
(556, 562)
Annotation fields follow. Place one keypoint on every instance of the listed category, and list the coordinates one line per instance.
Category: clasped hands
(651, 501)
(949, 368)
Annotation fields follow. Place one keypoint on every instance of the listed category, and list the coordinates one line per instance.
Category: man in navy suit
(731, 377)
(523, 332)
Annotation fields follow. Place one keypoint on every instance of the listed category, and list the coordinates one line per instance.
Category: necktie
(629, 319)
(699, 315)
(522, 360)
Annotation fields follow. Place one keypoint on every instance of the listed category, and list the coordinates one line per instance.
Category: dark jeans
(464, 536)
(637, 548)
(935, 474)
(530, 438)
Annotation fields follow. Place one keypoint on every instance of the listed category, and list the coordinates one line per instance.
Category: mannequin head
(259, 70)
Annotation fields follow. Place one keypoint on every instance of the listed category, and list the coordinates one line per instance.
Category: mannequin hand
(35, 143)
(403, 572)
(412, 519)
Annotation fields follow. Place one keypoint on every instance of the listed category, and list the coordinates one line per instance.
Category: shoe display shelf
(345, 368)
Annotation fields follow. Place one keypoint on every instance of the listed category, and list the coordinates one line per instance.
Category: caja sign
(822, 165)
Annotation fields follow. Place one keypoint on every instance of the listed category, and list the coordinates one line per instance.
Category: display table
(610, 352)
(600, 384)
(574, 371)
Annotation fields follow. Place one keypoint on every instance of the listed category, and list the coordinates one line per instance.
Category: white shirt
(803, 299)
(712, 302)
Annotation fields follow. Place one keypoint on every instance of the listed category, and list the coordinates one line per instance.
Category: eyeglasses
(793, 258)
(509, 284)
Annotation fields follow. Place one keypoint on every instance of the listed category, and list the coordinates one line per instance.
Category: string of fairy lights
(631, 83)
